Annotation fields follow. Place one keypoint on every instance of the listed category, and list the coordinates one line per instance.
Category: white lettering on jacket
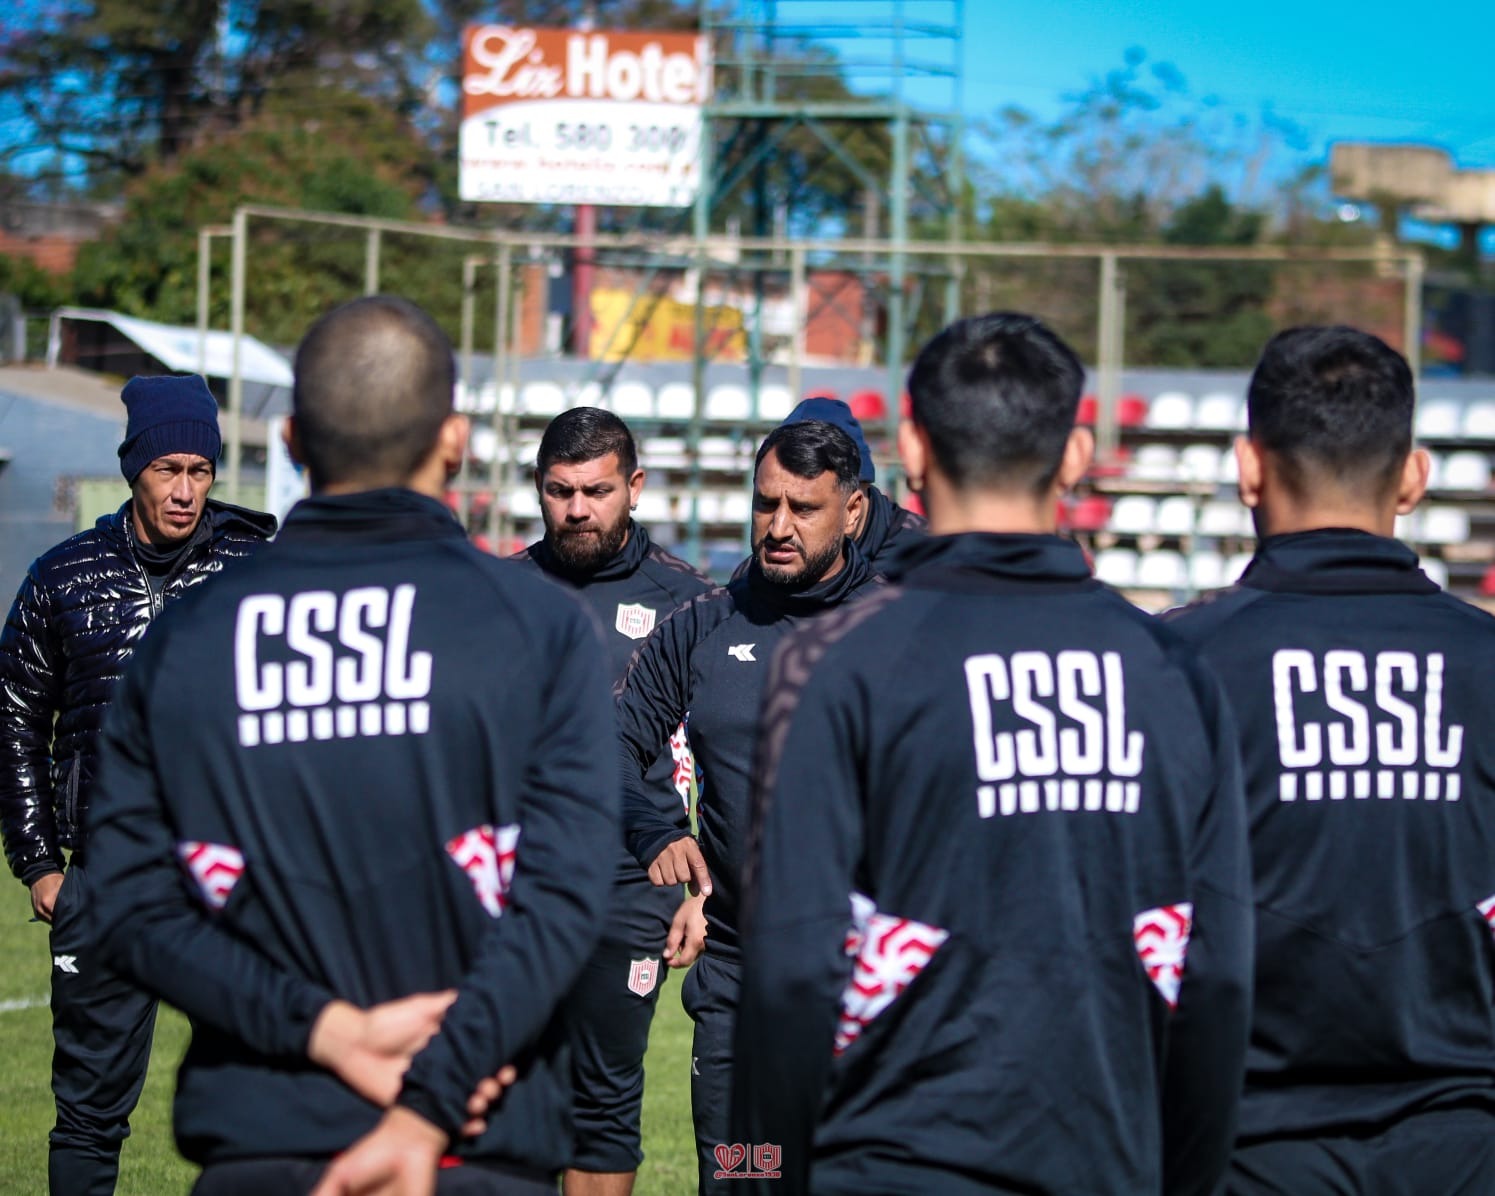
(1071, 749)
(322, 665)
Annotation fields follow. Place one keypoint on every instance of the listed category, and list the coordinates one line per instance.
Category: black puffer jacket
(77, 617)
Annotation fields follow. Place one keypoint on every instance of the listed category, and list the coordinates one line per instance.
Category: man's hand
(483, 1097)
(44, 891)
(399, 1158)
(370, 1050)
(681, 863)
(687, 934)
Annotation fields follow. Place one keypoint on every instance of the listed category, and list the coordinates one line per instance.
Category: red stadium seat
(1487, 583)
(1131, 411)
(905, 405)
(1090, 514)
(912, 502)
(1089, 410)
(868, 405)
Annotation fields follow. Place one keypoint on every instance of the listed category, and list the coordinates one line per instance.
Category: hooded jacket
(75, 621)
(710, 660)
(1362, 692)
(997, 912)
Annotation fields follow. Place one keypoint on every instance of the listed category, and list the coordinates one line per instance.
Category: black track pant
(101, 1030)
(296, 1177)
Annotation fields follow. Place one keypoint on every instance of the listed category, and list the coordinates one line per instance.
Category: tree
(103, 90)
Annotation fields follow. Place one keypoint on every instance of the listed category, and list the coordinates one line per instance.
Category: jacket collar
(879, 524)
(1336, 560)
(988, 556)
(624, 564)
(217, 518)
(853, 574)
(387, 515)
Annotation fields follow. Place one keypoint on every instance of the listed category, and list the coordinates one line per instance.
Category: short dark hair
(809, 447)
(375, 380)
(997, 396)
(1332, 404)
(584, 434)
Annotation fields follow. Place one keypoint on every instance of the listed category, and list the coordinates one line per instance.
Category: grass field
(151, 1166)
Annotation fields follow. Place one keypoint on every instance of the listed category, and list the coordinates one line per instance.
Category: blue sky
(1368, 71)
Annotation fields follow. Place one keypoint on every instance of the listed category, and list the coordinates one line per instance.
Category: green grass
(151, 1166)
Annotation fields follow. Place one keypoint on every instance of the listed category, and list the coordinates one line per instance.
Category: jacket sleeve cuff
(32, 872)
(424, 1103)
(647, 840)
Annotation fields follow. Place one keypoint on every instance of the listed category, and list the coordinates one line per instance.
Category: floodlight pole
(371, 262)
(1412, 315)
(236, 331)
(205, 237)
(469, 301)
(500, 363)
(1108, 348)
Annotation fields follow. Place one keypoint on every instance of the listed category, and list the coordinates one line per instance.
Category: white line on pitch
(24, 1003)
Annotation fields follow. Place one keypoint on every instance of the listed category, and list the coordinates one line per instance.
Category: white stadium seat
(1436, 570)
(1172, 409)
(774, 403)
(1207, 571)
(718, 452)
(1223, 518)
(1155, 463)
(1467, 471)
(1230, 468)
(1133, 515)
(1220, 412)
(737, 506)
(1162, 571)
(1199, 463)
(480, 444)
(527, 451)
(662, 452)
(524, 503)
(729, 404)
(1435, 471)
(1235, 566)
(1175, 516)
(676, 400)
(1479, 420)
(1444, 525)
(653, 507)
(1438, 419)
(542, 398)
(632, 400)
(1116, 566)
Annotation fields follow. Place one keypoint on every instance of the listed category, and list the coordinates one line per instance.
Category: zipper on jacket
(70, 796)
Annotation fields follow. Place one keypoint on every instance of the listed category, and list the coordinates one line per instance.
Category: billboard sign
(564, 116)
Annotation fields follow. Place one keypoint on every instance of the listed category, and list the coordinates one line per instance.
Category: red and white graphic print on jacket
(486, 854)
(890, 952)
(1487, 911)
(215, 867)
(685, 764)
(1162, 938)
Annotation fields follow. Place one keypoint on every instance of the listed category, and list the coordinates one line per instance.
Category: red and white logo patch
(486, 854)
(889, 952)
(643, 975)
(685, 763)
(634, 620)
(1162, 939)
(1487, 911)
(215, 867)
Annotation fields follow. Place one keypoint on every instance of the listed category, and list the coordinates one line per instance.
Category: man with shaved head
(389, 804)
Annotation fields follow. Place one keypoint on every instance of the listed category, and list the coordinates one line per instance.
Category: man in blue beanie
(77, 618)
(884, 525)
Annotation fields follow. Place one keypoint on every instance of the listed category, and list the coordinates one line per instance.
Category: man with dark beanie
(73, 626)
(884, 526)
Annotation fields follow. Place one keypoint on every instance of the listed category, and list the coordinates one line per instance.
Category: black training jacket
(997, 910)
(1362, 692)
(366, 764)
(708, 661)
(630, 594)
(77, 617)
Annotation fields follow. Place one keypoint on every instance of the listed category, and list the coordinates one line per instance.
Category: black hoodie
(710, 660)
(1362, 693)
(364, 764)
(997, 907)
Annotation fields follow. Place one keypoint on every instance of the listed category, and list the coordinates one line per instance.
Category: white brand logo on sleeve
(742, 652)
(321, 665)
(67, 964)
(1063, 742)
(1364, 725)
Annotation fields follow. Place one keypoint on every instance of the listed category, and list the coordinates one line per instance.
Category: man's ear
(856, 511)
(635, 488)
(1248, 466)
(290, 436)
(451, 442)
(913, 451)
(1414, 481)
(1079, 452)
